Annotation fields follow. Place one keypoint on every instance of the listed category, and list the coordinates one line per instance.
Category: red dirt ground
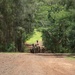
(35, 64)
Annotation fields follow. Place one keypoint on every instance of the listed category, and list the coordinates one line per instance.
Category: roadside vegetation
(55, 20)
(71, 58)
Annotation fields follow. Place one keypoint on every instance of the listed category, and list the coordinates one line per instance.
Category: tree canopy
(54, 18)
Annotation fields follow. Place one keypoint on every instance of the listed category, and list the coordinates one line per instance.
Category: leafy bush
(10, 47)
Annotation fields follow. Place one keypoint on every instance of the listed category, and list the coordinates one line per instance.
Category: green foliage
(10, 47)
(16, 23)
(58, 25)
(55, 18)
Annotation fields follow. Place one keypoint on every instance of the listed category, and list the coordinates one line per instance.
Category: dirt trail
(35, 64)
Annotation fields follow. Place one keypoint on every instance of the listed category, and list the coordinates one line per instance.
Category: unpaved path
(35, 64)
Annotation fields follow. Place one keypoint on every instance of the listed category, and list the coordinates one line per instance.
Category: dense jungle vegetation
(54, 18)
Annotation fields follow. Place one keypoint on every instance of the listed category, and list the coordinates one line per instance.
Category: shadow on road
(57, 55)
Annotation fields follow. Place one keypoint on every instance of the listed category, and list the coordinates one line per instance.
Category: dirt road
(35, 64)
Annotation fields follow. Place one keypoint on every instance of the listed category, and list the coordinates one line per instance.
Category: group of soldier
(36, 48)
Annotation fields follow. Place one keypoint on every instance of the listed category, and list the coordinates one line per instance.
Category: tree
(59, 18)
(16, 23)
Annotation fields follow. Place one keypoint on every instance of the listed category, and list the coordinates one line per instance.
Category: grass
(36, 36)
(71, 58)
